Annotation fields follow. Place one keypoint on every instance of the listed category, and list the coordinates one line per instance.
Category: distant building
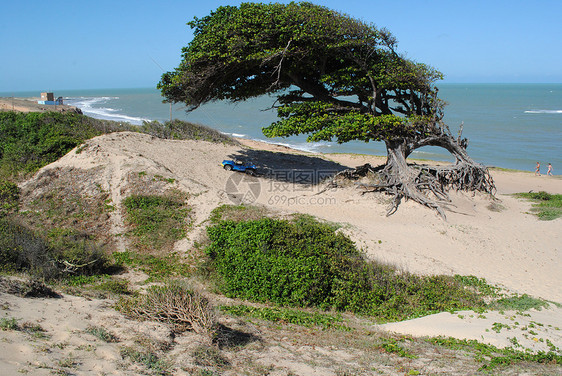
(49, 98)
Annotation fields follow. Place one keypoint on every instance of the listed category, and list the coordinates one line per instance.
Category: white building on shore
(49, 98)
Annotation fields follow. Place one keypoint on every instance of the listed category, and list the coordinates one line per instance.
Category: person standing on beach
(537, 170)
(549, 172)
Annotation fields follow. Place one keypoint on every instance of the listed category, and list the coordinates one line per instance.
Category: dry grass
(175, 304)
(72, 200)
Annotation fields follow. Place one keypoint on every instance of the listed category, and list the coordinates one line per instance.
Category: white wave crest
(310, 147)
(543, 112)
(86, 104)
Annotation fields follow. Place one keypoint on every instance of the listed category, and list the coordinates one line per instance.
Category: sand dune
(496, 240)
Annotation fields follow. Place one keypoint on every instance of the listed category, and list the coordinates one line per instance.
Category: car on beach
(248, 168)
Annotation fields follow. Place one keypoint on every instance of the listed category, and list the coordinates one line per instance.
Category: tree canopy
(336, 79)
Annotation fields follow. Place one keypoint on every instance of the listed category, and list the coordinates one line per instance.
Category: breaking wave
(89, 107)
(543, 112)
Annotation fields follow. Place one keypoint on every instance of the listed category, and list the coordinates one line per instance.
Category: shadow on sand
(291, 168)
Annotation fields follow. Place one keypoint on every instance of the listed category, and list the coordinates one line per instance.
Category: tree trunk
(456, 147)
(427, 185)
(403, 179)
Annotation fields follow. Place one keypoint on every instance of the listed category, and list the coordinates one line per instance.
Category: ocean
(508, 125)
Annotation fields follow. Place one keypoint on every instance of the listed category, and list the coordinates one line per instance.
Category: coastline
(31, 105)
(512, 131)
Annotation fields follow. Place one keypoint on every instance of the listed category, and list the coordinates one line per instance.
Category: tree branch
(321, 94)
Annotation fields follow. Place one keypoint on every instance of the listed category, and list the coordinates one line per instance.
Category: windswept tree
(336, 79)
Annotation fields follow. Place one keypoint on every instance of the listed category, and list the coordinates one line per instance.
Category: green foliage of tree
(324, 64)
(336, 79)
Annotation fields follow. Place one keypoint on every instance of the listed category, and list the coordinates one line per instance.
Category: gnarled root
(427, 185)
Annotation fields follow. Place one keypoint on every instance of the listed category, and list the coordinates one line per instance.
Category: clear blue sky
(52, 45)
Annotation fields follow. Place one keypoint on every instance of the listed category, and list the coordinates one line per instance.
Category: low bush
(9, 323)
(148, 359)
(209, 356)
(520, 303)
(101, 333)
(174, 304)
(184, 130)
(156, 267)
(9, 197)
(156, 221)
(29, 141)
(493, 357)
(24, 250)
(237, 213)
(285, 315)
(305, 263)
(27, 288)
(546, 206)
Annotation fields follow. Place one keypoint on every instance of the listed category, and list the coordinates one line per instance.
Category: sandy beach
(496, 239)
(31, 105)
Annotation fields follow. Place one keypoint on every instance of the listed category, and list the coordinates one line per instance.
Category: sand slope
(502, 243)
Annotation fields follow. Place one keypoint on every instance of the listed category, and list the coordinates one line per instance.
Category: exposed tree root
(427, 185)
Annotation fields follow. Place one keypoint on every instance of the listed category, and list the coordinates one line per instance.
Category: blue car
(248, 168)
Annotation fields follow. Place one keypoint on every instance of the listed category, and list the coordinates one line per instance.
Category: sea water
(508, 125)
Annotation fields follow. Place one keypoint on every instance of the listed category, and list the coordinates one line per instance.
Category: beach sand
(496, 239)
(31, 105)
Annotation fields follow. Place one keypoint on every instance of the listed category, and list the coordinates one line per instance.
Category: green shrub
(285, 315)
(156, 221)
(306, 263)
(9, 323)
(148, 359)
(520, 303)
(394, 346)
(237, 213)
(209, 356)
(29, 141)
(101, 333)
(99, 282)
(494, 357)
(157, 267)
(24, 250)
(272, 260)
(184, 130)
(114, 286)
(9, 197)
(546, 206)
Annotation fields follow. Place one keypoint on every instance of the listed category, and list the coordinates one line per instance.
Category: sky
(129, 44)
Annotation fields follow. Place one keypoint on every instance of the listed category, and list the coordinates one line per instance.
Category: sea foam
(88, 105)
(543, 112)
